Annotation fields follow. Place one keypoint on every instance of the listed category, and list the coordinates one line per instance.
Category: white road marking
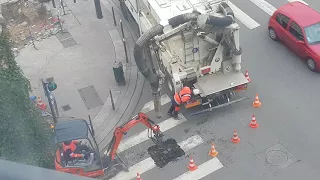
(149, 106)
(265, 6)
(243, 17)
(202, 171)
(148, 164)
(143, 135)
(298, 0)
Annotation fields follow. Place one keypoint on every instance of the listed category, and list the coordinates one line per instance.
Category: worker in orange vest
(70, 149)
(178, 98)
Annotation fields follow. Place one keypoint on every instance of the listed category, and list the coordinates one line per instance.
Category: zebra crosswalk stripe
(143, 135)
(243, 17)
(149, 106)
(148, 164)
(265, 6)
(298, 0)
(202, 171)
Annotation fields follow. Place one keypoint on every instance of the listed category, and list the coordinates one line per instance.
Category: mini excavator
(108, 166)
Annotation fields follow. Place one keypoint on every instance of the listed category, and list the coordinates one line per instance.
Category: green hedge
(25, 135)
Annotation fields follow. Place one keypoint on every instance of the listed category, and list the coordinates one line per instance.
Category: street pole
(112, 102)
(121, 27)
(32, 39)
(114, 17)
(46, 91)
(98, 9)
(125, 50)
(55, 105)
(157, 103)
(62, 5)
(59, 20)
(53, 4)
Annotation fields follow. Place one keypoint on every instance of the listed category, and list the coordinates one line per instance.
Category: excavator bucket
(112, 168)
(165, 152)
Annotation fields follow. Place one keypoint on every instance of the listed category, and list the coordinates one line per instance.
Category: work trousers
(173, 107)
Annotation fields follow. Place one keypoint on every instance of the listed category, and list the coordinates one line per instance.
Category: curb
(125, 105)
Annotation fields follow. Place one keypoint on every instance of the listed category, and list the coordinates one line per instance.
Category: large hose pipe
(139, 58)
(183, 18)
(219, 21)
(222, 21)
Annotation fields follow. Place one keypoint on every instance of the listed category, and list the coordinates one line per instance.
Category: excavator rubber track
(165, 152)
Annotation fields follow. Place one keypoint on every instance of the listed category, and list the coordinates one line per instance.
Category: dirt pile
(27, 21)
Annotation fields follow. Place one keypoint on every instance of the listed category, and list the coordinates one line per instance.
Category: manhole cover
(68, 42)
(277, 158)
(90, 97)
(63, 35)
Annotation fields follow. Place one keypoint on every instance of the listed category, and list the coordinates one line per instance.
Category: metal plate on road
(90, 97)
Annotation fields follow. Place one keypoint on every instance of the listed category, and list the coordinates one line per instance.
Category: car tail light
(205, 70)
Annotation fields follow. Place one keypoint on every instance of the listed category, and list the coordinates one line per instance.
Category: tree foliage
(25, 136)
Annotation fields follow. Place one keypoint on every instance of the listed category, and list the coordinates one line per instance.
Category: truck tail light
(240, 87)
(205, 70)
(192, 103)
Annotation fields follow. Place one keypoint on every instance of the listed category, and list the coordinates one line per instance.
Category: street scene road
(284, 146)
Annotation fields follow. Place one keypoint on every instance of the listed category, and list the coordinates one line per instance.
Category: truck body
(195, 43)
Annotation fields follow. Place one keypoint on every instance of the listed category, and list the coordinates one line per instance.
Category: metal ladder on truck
(187, 37)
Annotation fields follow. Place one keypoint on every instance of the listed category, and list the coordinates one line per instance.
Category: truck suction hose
(208, 19)
(138, 55)
(174, 22)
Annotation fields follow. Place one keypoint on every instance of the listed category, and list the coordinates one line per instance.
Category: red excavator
(92, 163)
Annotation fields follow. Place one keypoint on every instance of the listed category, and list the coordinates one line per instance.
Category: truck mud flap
(219, 106)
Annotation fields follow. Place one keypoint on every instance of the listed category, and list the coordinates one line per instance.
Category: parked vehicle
(194, 44)
(298, 26)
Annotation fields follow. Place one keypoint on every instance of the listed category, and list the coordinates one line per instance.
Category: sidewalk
(81, 61)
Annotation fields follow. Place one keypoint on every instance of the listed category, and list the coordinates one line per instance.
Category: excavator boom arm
(120, 131)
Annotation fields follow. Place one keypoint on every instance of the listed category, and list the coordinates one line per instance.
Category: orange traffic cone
(253, 123)
(247, 76)
(256, 103)
(138, 176)
(192, 166)
(41, 105)
(235, 139)
(213, 152)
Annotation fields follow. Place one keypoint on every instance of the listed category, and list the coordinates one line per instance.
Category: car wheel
(311, 64)
(272, 34)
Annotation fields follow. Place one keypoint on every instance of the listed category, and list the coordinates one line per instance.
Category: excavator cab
(89, 162)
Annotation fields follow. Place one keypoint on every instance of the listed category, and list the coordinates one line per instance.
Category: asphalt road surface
(286, 144)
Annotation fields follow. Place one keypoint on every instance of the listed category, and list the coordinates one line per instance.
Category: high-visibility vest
(183, 96)
(72, 147)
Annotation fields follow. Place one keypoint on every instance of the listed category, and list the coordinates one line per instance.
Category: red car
(298, 26)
